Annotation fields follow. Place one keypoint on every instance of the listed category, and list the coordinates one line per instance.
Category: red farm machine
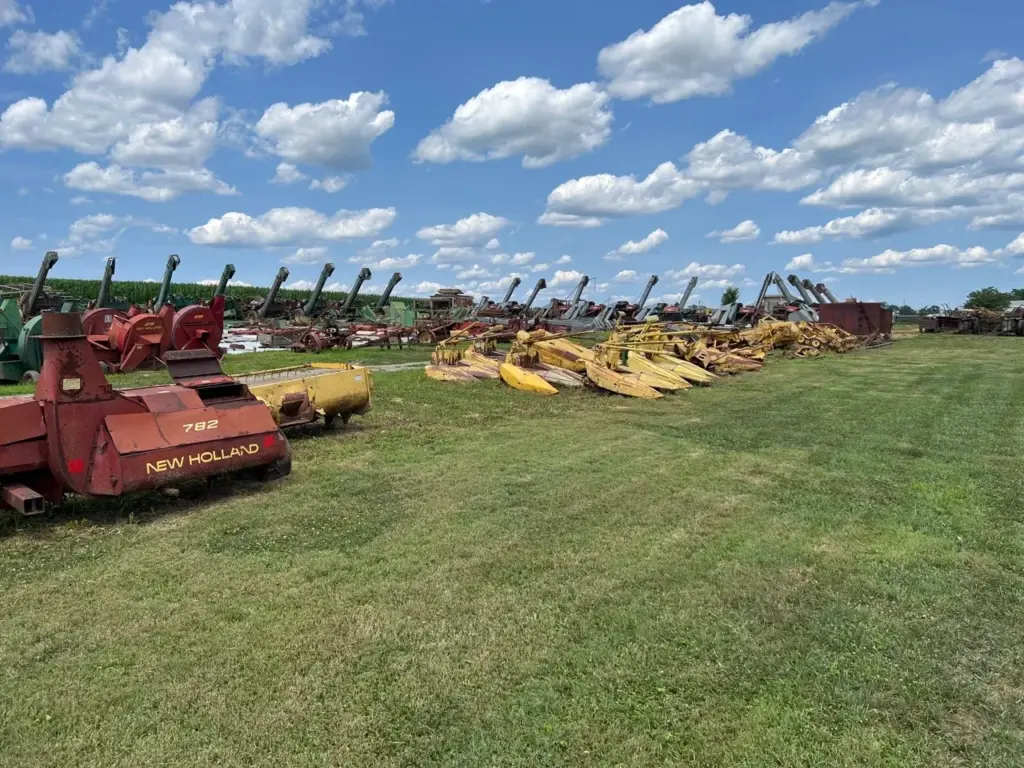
(127, 341)
(77, 435)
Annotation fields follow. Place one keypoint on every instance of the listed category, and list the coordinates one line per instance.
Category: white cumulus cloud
(937, 254)
(745, 230)
(34, 52)
(516, 259)
(185, 141)
(564, 277)
(157, 81)
(315, 255)
(593, 198)
(696, 52)
(292, 226)
(706, 271)
(390, 262)
(329, 184)
(803, 262)
(476, 272)
(552, 219)
(872, 222)
(12, 13)
(730, 161)
(527, 117)
(906, 157)
(152, 186)
(1016, 248)
(335, 134)
(100, 233)
(21, 244)
(286, 173)
(475, 230)
(426, 288)
(634, 247)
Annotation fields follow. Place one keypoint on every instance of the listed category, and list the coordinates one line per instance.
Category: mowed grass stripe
(814, 565)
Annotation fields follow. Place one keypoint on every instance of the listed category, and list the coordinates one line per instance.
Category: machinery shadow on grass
(135, 509)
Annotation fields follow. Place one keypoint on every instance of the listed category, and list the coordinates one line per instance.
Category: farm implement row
(645, 361)
(121, 340)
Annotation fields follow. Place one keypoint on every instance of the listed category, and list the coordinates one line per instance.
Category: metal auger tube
(350, 300)
(314, 296)
(386, 296)
(540, 286)
(647, 292)
(165, 285)
(268, 302)
(225, 278)
(108, 277)
(29, 307)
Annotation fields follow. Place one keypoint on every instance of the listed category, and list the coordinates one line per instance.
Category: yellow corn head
(638, 361)
(301, 394)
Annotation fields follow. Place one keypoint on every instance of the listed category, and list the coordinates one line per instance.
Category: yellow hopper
(303, 393)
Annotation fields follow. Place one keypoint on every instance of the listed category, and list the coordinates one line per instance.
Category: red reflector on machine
(268, 441)
(76, 466)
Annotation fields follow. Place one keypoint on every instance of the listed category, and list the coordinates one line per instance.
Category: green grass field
(820, 564)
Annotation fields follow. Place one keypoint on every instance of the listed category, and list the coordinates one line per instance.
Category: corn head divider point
(644, 361)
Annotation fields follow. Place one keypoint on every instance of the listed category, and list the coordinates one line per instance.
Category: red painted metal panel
(140, 432)
(23, 457)
(22, 419)
(166, 400)
(158, 468)
(857, 317)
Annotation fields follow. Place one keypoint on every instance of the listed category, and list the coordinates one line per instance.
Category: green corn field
(141, 291)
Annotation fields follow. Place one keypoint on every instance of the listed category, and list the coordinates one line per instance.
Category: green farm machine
(21, 352)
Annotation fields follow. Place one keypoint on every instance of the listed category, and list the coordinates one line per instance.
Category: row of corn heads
(643, 361)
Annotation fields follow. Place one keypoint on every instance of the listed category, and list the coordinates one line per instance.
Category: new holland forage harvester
(77, 435)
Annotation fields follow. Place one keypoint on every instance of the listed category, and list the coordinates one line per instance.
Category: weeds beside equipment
(77, 435)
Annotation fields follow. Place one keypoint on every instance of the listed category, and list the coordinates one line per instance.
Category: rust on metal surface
(97, 322)
(860, 318)
(195, 367)
(22, 499)
(60, 325)
(199, 327)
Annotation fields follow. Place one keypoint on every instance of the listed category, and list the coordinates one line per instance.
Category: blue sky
(867, 143)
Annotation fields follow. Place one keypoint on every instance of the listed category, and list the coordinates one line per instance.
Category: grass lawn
(247, 363)
(820, 564)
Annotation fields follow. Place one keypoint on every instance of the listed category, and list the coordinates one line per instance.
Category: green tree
(906, 309)
(1017, 294)
(730, 295)
(931, 309)
(988, 298)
